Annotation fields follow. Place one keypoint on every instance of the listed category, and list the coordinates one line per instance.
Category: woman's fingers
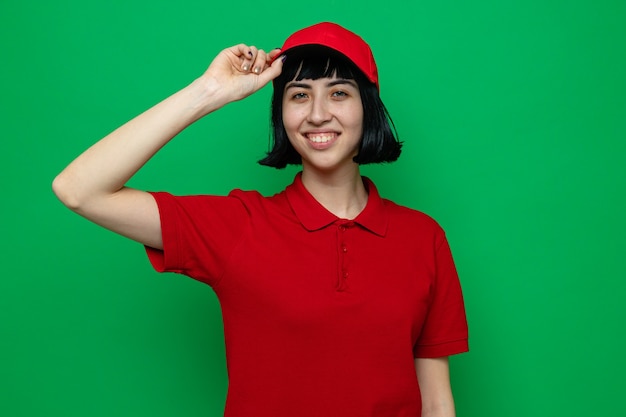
(273, 54)
(255, 60)
(273, 67)
(252, 59)
(248, 58)
(260, 63)
(242, 69)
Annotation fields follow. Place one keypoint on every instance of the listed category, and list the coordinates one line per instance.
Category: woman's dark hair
(380, 140)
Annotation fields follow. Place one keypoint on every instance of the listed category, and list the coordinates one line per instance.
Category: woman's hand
(239, 71)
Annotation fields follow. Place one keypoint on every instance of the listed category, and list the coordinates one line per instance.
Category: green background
(513, 115)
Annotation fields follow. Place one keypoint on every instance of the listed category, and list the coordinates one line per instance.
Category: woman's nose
(319, 112)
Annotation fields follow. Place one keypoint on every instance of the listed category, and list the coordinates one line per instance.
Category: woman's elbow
(66, 192)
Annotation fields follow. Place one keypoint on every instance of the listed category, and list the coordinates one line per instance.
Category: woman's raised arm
(93, 185)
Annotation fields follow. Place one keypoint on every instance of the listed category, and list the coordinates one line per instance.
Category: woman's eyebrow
(295, 84)
(342, 81)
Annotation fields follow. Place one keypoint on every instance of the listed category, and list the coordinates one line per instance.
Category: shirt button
(344, 248)
(345, 275)
(342, 228)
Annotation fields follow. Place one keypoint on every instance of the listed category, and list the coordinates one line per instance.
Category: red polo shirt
(322, 316)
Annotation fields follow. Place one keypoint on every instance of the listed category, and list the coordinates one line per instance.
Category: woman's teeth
(320, 138)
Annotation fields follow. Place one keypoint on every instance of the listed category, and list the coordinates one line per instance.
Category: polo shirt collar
(314, 216)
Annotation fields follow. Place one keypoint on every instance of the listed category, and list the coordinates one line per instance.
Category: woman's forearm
(433, 375)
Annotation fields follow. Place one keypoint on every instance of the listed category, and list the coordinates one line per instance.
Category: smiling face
(303, 67)
(323, 119)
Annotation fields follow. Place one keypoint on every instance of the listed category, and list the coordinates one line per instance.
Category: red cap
(341, 40)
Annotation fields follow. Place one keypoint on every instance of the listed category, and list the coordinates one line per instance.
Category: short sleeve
(199, 234)
(445, 330)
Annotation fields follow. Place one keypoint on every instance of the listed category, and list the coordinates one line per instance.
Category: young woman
(335, 302)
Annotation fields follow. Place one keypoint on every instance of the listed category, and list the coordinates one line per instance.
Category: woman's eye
(340, 94)
(299, 96)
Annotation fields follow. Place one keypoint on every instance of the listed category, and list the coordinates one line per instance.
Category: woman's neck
(341, 192)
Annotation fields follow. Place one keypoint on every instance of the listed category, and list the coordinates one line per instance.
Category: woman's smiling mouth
(324, 137)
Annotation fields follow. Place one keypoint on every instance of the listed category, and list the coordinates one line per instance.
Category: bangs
(312, 62)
